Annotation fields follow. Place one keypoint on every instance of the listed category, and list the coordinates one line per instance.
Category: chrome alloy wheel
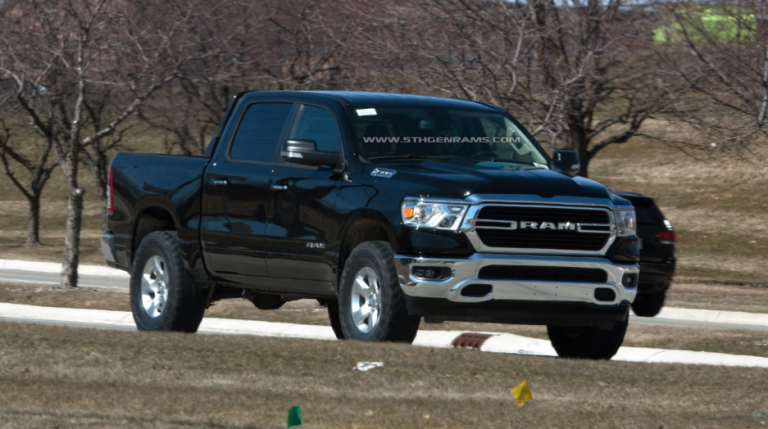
(154, 286)
(366, 300)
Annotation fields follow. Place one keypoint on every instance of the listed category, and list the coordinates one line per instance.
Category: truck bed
(163, 188)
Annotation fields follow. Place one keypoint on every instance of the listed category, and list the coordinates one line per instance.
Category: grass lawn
(67, 377)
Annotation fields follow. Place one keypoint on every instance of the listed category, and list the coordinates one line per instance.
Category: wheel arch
(156, 214)
(361, 226)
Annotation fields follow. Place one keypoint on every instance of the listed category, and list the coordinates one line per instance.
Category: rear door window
(259, 131)
(647, 212)
(316, 123)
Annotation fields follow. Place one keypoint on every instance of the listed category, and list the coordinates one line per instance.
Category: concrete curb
(667, 313)
(713, 316)
(497, 343)
(53, 267)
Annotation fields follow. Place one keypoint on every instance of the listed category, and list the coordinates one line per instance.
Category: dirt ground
(309, 312)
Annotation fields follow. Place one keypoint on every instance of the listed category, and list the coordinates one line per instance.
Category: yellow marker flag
(522, 393)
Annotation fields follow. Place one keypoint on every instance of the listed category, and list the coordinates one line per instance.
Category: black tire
(183, 309)
(333, 316)
(394, 323)
(587, 342)
(648, 304)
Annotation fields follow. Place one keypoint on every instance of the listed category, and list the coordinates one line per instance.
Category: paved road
(98, 280)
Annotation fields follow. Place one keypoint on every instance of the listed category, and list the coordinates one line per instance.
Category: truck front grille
(545, 274)
(493, 228)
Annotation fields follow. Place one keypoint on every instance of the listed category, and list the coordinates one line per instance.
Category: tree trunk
(101, 189)
(33, 222)
(579, 141)
(72, 235)
(584, 158)
(98, 166)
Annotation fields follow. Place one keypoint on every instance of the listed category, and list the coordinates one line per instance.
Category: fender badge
(383, 172)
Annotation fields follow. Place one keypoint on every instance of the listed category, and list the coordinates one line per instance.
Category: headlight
(421, 213)
(626, 223)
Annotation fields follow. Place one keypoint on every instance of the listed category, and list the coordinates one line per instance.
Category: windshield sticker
(366, 112)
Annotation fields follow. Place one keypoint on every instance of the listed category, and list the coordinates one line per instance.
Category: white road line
(498, 343)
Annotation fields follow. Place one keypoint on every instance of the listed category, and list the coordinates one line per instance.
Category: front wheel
(371, 304)
(587, 342)
(163, 297)
(648, 304)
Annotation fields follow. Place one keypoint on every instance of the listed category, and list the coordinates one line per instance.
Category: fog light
(629, 280)
(431, 273)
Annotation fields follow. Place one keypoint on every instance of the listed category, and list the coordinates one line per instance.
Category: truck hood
(457, 179)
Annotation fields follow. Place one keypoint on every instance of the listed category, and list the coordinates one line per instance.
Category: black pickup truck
(385, 207)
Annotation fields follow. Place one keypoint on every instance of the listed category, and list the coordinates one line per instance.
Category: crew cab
(388, 208)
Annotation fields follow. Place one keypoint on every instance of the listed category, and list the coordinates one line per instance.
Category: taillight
(668, 236)
(110, 193)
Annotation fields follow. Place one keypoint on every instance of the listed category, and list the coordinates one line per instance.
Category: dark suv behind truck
(657, 254)
(386, 207)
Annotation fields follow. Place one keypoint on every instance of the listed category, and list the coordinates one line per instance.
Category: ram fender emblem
(383, 173)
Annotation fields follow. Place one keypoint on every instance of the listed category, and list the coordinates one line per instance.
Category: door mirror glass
(305, 152)
(567, 160)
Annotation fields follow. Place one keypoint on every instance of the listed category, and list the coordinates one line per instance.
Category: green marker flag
(294, 417)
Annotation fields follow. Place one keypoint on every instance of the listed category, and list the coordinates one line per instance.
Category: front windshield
(435, 132)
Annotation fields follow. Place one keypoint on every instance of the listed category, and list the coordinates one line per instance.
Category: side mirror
(567, 160)
(305, 152)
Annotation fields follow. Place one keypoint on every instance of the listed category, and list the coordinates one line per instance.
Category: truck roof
(627, 194)
(381, 98)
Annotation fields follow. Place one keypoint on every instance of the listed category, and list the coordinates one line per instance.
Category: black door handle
(280, 187)
(219, 182)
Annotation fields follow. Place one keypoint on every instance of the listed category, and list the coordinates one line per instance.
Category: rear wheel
(648, 304)
(587, 342)
(371, 304)
(163, 297)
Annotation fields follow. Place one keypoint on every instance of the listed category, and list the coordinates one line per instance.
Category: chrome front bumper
(464, 272)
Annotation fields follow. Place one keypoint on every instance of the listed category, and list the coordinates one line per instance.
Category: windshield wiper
(410, 156)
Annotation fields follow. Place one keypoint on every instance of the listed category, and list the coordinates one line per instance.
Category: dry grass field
(58, 377)
(718, 206)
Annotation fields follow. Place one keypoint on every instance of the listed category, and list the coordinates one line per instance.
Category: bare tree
(276, 44)
(76, 46)
(582, 74)
(96, 155)
(724, 59)
(38, 168)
